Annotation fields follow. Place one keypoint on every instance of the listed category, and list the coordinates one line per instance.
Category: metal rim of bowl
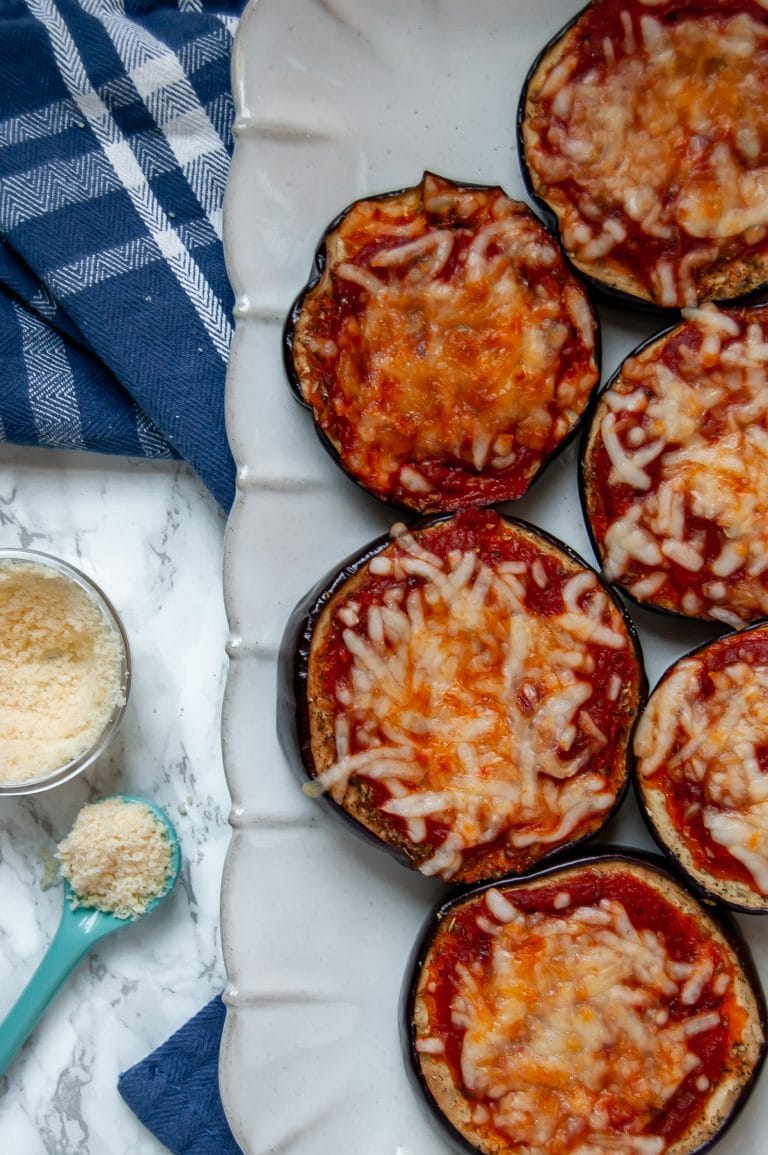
(76, 765)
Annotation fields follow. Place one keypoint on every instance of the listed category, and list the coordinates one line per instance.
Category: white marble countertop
(152, 537)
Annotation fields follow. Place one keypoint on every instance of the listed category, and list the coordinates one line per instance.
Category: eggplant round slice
(595, 1007)
(463, 692)
(443, 346)
(702, 759)
(674, 469)
(642, 131)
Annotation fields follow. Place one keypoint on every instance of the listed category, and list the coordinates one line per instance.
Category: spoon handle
(65, 951)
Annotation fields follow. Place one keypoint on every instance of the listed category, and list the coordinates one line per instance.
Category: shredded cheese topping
(446, 334)
(567, 1027)
(687, 432)
(649, 142)
(470, 707)
(714, 746)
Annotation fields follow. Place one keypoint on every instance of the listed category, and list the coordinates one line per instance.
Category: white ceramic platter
(337, 99)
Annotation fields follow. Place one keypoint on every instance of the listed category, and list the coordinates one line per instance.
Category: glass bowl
(64, 772)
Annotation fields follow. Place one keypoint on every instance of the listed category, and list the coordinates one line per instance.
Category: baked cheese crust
(446, 350)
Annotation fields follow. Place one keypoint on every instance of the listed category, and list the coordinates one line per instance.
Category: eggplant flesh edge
(702, 1134)
(294, 708)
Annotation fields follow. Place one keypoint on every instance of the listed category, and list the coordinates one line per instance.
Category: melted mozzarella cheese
(473, 710)
(666, 135)
(569, 1021)
(706, 429)
(459, 351)
(713, 744)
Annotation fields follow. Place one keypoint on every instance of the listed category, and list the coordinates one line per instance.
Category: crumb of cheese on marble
(49, 869)
(117, 857)
(60, 670)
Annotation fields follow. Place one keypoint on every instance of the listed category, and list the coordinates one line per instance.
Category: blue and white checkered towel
(115, 309)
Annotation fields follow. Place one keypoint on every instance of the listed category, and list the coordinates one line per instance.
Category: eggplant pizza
(644, 132)
(443, 346)
(464, 693)
(702, 766)
(674, 469)
(597, 1007)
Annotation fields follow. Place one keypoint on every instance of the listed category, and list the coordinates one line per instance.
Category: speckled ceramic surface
(337, 99)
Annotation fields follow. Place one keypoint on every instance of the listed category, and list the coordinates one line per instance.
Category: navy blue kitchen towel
(115, 308)
(175, 1090)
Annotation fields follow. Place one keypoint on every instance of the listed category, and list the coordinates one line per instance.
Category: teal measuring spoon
(79, 930)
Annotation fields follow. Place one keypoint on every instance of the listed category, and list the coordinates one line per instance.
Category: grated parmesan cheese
(117, 857)
(60, 670)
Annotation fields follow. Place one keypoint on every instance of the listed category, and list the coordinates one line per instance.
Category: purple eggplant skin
(708, 894)
(586, 430)
(602, 291)
(620, 855)
(293, 715)
(318, 267)
(293, 726)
